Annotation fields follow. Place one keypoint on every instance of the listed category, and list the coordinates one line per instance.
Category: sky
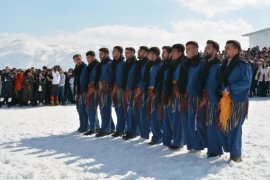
(90, 24)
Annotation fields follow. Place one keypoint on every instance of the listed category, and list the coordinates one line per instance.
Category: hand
(150, 92)
(225, 91)
(138, 92)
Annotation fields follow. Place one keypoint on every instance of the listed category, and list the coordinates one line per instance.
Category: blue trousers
(131, 116)
(178, 120)
(120, 113)
(214, 145)
(167, 126)
(232, 141)
(196, 129)
(107, 124)
(83, 117)
(144, 124)
(156, 123)
(92, 113)
(62, 95)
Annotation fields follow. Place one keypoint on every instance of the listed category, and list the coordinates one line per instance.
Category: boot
(56, 101)
(52, 101)
(117, 134)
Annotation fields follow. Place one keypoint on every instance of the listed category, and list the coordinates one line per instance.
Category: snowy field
(37, 143)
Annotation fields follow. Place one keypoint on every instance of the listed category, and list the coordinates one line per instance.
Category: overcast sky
(82, 23)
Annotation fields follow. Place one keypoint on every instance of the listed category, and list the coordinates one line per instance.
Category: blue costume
(196, 121)
(150, 79)
(105, 102)
(174, 127)
(92, 95)
(140, 110)
(128, 86)
(81, 86)
(117, 95)
(236, 77)
(211, 75)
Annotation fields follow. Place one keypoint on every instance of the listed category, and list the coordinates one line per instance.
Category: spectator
(7, 87)
(263, 76)
(19, 78)
(62, 87)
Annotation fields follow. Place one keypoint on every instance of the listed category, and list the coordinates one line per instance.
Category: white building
(259, 38)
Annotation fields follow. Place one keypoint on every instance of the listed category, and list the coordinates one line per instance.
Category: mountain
(25, 54)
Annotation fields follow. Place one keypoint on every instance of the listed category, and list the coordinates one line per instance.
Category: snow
(38, 143)
(29, 53)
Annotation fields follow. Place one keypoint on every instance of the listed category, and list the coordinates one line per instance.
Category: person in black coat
(7, 87)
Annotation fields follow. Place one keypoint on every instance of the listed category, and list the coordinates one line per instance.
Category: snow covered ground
(37, 143)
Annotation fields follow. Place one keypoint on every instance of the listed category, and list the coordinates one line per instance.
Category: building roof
(255, 32)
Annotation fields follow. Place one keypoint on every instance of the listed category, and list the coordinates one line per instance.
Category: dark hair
(194, 43)
(119, 48)
(235, 43)
(145, 48)
(214, 44)
(167, 48)
(179, 47)
(105, 50)
(155, 50)
(77, 56)
(130, 49)
(90, 53)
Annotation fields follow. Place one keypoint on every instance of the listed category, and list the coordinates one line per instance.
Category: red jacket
(19, 82)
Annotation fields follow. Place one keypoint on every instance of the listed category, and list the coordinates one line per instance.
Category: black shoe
(210, 155)
(97, 130)
(236, 159)
(102, 134)
(117, 134)
(174, 148)
(89, 133)
(128, 136)
(151, 143)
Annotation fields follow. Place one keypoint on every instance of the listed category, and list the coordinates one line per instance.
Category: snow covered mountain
(25, 54)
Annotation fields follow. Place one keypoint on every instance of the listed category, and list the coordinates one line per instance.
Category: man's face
(129, 54)
(152, 56)
(7, 70)
(142, 54)
(77, 60)
(102, 55)
(165, 54)
(175, 54)
(191, 51)
(90, 58)
(209, 51)
(230, 51)
(116, 54)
